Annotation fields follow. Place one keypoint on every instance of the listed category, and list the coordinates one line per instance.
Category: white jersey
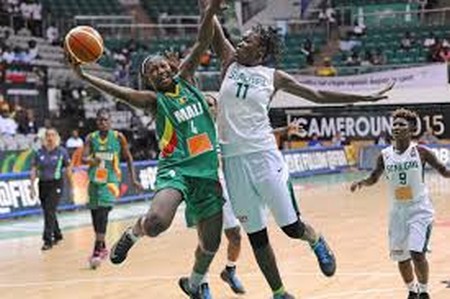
(243, 106)
(405, 176)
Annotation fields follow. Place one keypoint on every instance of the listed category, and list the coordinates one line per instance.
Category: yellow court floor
(355, 225)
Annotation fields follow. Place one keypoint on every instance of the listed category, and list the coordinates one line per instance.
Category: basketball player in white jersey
(231, 225)
(255, 171)
(411, 213)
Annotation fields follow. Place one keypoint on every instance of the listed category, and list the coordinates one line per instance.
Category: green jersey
(108, 151)
(186, 132)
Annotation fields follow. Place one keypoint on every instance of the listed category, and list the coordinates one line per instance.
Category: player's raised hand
(216, 5)
(174, 58)
(380, 95)
(74, 64)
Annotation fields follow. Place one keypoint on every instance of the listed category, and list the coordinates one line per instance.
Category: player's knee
(259, 239)
(211, 244)
(418, 257)
(154, 224)
(294, 230)
(234, 235)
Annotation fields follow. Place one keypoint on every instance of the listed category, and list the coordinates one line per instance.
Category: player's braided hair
(270, 40)
(148, 60)
(409, 115)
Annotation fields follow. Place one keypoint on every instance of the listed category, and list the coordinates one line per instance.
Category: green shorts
(203, 196)
(102, 195)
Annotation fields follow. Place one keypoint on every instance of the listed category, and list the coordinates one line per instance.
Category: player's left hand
(380, 95)
(295, 128)
(216, 5)
(174, 59)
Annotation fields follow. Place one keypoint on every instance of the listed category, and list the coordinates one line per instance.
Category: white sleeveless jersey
(405, 176)
(243, 120)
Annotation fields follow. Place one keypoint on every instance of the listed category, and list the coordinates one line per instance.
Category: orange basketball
(84, 44)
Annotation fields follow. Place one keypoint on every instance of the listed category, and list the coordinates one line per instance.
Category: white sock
(423, 288)
(195, 280)
(204, 280)
(133, 236)
(412, 286)
(231, 264)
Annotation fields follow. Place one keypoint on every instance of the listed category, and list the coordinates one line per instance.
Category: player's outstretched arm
(372, 178)
(204, 39)
(284, 81)
(292, 128)
(129, 159)
(140, 99)
(429, 157)
(221, 45)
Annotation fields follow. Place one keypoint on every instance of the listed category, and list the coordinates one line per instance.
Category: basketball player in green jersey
(188, 163)
(102, 152)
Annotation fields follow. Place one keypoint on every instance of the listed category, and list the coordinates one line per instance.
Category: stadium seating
(338, 3)
(388, 40)
(62, 8)
(171, 7)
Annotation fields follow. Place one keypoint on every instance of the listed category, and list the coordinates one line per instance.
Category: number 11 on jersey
(242, 87)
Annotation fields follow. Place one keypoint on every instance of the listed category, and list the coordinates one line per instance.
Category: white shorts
(409, 230)
(229, 219)
(257, 181)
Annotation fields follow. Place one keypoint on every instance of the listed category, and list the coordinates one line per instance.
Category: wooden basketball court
(354, 224)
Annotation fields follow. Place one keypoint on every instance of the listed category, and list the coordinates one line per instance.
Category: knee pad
(259, 239)
(294, 230)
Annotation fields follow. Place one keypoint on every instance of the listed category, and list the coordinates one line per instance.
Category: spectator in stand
(205, 59)
(359, 29)
(122, 74)
(339, 140)
(444, 54)
(36, 18)
(430, 41)
(33, 50)
(327, 15)
(367, 60)
(382, 139)
(8, 125)
(28, 125)
(407, 41)
(378, 58)
(19, 55)
(354, 59)
(74, 141)
(308, 50)
(428, 138)
(326, 70)
(314, 141)
(8, 55)
(52, 34)
(42, 130)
